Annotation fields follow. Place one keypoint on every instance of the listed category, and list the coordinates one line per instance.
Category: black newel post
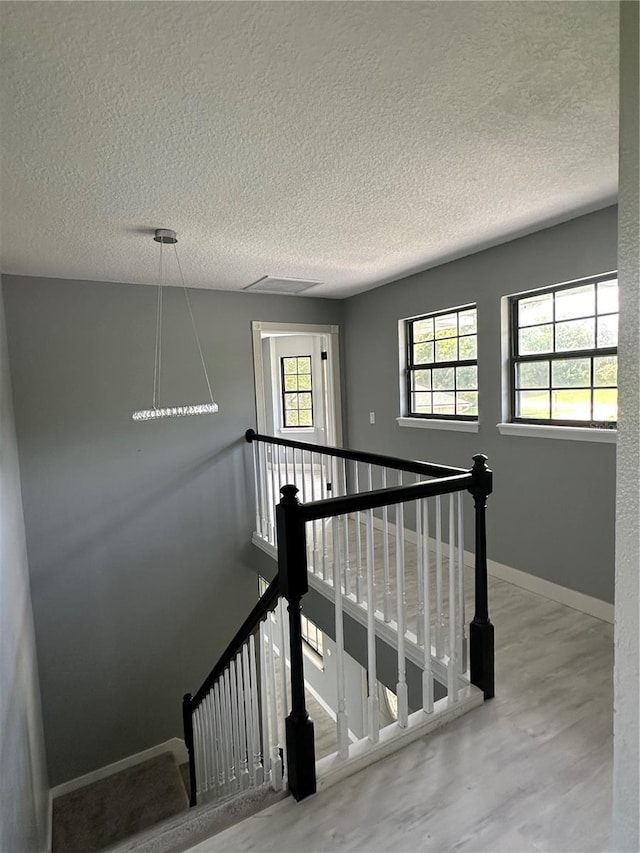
(187, 722)
(481, 644)
(292, 568)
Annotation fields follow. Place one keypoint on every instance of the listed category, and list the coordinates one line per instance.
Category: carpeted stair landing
(118, 807)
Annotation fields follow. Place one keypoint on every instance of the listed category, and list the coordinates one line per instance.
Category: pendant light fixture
(165, 236)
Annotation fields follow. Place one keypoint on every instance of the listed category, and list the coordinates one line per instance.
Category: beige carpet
(112, 809)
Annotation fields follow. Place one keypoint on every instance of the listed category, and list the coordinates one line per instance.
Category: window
(442, 365)
(297, 393)
(311, 634)
(564, 354)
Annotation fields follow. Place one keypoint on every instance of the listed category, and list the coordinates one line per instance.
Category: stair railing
(407, 537)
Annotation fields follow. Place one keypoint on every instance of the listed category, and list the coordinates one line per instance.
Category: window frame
(552, 356)
(410, 367)
(284, 393)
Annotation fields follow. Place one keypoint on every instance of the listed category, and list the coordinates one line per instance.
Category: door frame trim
(260, 330)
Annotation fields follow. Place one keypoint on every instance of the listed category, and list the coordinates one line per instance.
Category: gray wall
(138, 534)
(626, 736)
(23, 777)
(552, 513)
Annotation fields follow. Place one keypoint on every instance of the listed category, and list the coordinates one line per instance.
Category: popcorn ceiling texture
(347, 142)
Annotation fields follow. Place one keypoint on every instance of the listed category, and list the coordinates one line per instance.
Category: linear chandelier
(166, 236)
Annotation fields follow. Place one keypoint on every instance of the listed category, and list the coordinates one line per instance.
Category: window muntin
(564, 354)
(297, 391)
(442, 364)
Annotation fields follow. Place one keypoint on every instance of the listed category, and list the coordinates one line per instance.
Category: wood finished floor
(528, 771)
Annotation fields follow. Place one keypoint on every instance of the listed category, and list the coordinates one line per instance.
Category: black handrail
(266, 603)
(430, 469)
(384, 497)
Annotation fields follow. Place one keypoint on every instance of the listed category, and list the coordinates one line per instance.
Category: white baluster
(359, 574)
(462, 645)
(347, 564)
(263, 491)
(452, 671)
(386, 606)
(197, 742)
(211, 765)
(255, 712)
(314, 524)
(248, 715)
(278, 450)
(427, 676)
(439, 625)
(256, 485)
(420, 575)
(220, 734)
(276, 763)
(228, 712)
(282, 619)
(401, 604)
(342, 722)
(324, 521)
(242, 725)
(374, 715)
(264, 704)
(275, 497)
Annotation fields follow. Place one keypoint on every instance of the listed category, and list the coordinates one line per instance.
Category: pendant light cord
(157, 365)
(193, 323)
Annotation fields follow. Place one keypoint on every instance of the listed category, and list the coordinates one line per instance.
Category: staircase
(380, 541)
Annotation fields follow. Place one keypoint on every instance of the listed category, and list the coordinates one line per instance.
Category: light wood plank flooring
(528, 771)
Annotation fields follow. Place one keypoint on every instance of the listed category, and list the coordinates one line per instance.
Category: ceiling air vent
(273, 284)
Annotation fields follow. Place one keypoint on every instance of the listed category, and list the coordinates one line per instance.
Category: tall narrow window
(297, 393)
(564, 354)
(442, 364)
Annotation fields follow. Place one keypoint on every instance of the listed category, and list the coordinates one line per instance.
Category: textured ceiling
(345, 142)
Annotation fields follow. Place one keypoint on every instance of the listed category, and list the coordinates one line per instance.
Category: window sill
(602, 436)
(438, 423)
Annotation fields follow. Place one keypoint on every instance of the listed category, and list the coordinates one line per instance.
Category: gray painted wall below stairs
(24, 790)
(552, 514)
(138, 534)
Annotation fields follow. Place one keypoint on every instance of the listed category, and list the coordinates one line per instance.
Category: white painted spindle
(401, 606)
(427, 676)
(386, 606)
(242, 725)
(219, 732)
(452, 672)
(275, 495)
(420, 574)
(439, 626)
(282, 641)
(462, 646)
(359, 574)
(276, 763)
(374, 714)
(256, 481)
(258, 753)
(342, 722)
(345, 519)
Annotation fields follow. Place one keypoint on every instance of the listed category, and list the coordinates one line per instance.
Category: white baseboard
(175, 745)
(547, 589)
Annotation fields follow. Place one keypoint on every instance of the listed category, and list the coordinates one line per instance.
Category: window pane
(304, 382)
(572, 373)
(304, 417)
(422, 403)
(535, 310)
(605, 404)
(535, 339)
(447, 350)
(571, 405)
(443, 378)
(467, 378)
(423, 353)
(533, 374)
(423, 330)
(291, 383)
(292, 419)
(421, 380)
(605, 370)
(608, 296)
(467, 403)
(532, 404)
(575, 302)
(468, 321)
(291, 401)
(468, 347)
(446, 325)
(575, 334)
(608, 331)
(304, 401)
(304, 364)
(444, 403)
(290, 365)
